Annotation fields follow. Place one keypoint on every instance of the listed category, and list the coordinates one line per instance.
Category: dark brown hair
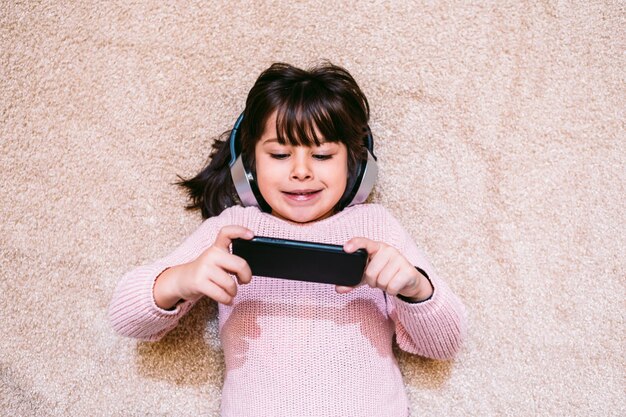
(324, 99)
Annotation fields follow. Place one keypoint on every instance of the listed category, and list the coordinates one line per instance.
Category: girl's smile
(302, 195)
(301, 184)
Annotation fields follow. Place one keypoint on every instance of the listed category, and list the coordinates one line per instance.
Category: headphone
(249, 194)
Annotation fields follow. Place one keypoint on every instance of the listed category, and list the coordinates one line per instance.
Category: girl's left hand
(388, 270)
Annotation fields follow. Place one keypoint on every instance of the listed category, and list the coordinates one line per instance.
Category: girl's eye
(322, 157)
(279, 155)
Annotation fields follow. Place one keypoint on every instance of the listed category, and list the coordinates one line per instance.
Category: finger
(355, 243)
(223, 280)
(388, 274)
(244, 276)
(215, 292)
(375, 267)
(237, 266)
(228, 233)
(398, 281)
(401, 282)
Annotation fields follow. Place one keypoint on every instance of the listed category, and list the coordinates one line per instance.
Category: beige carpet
(500, 132)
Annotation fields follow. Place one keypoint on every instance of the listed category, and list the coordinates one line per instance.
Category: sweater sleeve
(133, 311)
(434, 328)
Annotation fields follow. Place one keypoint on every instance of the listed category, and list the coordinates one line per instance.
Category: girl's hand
(207, 275)
(389, 270)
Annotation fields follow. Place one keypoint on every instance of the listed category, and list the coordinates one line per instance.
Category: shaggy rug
(499, 127)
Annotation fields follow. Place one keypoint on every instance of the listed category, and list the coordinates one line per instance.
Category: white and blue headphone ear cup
(365, 183)
(243, 180)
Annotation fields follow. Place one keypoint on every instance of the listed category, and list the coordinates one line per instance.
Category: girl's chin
(302, 216)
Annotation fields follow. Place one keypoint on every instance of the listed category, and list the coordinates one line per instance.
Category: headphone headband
(234, 153)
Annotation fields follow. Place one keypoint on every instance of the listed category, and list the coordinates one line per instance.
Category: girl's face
(301, 184)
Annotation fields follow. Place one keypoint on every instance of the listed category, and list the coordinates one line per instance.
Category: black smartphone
(301, 261)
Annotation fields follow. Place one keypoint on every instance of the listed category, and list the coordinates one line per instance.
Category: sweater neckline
(303, 226)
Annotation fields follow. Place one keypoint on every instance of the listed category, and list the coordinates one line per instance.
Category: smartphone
(302, 261)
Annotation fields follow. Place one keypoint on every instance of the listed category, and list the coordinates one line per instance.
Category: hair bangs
(303, 119)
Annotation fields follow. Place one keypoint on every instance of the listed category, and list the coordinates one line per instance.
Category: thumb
(228, 233)
(355, 243)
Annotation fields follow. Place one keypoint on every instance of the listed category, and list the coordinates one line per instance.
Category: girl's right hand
(207, 275)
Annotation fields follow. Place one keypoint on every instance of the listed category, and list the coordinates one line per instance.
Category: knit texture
(296, 348)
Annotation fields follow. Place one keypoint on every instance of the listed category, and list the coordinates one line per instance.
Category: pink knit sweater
(300, 349)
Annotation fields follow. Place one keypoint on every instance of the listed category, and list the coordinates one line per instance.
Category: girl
(301, 152)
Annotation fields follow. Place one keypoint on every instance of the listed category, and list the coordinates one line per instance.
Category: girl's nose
(301, 169)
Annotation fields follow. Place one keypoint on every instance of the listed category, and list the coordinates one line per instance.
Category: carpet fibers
(499, 127)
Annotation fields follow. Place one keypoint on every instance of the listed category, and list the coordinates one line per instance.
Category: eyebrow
(270, 140)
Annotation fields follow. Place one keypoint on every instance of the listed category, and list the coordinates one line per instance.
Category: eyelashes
(282, 156)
